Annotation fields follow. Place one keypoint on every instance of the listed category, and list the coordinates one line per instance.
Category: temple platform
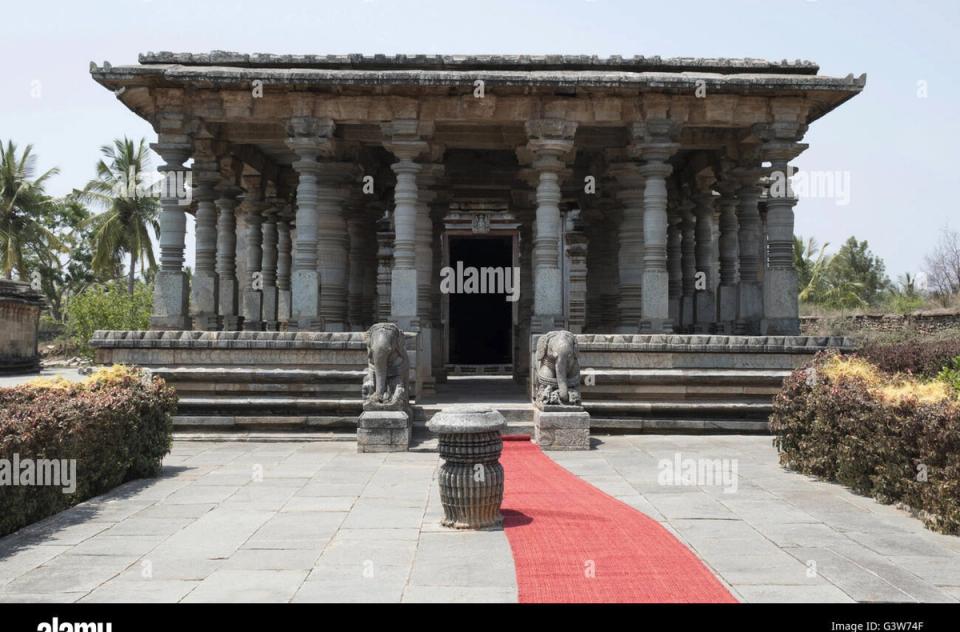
(309, 382)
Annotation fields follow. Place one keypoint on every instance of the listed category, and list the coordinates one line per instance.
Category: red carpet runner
(573, 543)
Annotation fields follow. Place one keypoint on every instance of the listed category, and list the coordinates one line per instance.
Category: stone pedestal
(471, 477)
(19, 321)
(561, 428)
(170, 298)
(383, 431)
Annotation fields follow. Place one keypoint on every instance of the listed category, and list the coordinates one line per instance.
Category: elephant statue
(558, 369)
(386, 383)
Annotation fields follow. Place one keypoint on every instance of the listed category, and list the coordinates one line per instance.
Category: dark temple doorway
(480, 324)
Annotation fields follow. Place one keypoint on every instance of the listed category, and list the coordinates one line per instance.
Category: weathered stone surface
(561, 429)
(471, 477)
(19, 319)
(383, 431)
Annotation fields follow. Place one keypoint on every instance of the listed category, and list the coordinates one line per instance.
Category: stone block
(562, 428)
(170, 297)
(383, 431)
(727, 301)
(305, 295)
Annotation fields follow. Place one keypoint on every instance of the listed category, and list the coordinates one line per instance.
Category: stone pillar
(781, 308)
(268, 267)
(688, 262)
(226, 259)
(750, 296)
(251, 298)
(332, 243)
(170, 291)
(705, 307)
(405, 144)
(284, 261)
(384, 267)
(357, 265)
(729, 257)
(655, 152)
(550, 140)
(631, 253)
(204, 289)
(309, 139)
(576, 254)
(674, 267)
(425, 275)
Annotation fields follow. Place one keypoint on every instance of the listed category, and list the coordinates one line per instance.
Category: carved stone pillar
(705, 306)
(688, 261)
(384, 266)
(284, 261)
(252, 209)
(550, 140)
(269, 265)
(729, 256)
(356, 265)
(631, 252)
(750, 296)
(674, 266)
(425, 274)
(405, 143)
(781, 308)
(309, 139)
(226, 258)
(332, 242)
(576, 253)
(655, 151)
(170, 291)
(204, 285)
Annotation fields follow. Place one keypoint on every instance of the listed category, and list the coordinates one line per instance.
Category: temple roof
(637, 63)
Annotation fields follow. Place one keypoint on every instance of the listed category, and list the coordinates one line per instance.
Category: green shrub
(117, 426)
(884, 435)
(951, 374)
(107, 307)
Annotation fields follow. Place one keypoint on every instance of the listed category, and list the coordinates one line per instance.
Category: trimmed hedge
(886, 436)
(921, 356)
(118, 425)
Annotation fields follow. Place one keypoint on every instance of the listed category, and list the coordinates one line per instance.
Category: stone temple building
(634, 197)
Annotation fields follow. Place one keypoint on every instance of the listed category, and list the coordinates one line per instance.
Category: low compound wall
(253, 379)
(671, 383)
(922, 322)
(19, 326)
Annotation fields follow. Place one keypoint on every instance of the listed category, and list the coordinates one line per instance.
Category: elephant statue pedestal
(384, 431)
(387, 419)
(559, 421)
(561, 427)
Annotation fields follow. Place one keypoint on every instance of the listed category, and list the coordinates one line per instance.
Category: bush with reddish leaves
(117, 426)
(921, 356)
(887, 436)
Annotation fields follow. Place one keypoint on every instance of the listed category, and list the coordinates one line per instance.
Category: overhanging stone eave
(174, 75)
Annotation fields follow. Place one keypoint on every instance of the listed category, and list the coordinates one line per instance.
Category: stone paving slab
(317, 522)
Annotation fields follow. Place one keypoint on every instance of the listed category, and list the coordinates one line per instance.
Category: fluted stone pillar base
(471, 477)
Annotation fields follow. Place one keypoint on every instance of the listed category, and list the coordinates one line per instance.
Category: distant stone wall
(923, 322)
(19, 325)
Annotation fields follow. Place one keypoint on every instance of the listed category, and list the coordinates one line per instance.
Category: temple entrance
(480, 278)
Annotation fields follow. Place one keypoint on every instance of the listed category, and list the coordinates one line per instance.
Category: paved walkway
(317, 522)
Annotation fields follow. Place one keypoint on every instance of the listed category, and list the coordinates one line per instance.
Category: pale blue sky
(900, 150)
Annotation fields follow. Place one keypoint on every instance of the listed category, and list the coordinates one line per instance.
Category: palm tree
(811, 263)
(124, 227)
(22, 204)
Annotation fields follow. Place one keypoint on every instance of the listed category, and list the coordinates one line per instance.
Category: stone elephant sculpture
(558, 369)
(386, 383)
